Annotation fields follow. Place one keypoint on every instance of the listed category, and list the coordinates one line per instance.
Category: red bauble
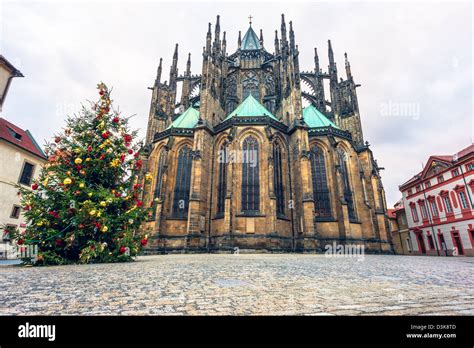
(89, 148)
(122, 158)
(127, 138)
(130, 151)
(135, 154)
(102, 157)
(58, 242)
(101, 92)
(116, 119)
(57, 140)
(34, 186)
(144, 242)
(106, 134)
(20, 241)
(139, 203)
(122, 250)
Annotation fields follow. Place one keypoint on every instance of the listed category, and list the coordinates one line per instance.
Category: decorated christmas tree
(85, 206)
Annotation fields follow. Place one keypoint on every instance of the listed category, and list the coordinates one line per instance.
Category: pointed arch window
(278, 179)
(222, 183)
(250, 176)
(183, 183)
(160, 173)
(322, 203)
(346, 185)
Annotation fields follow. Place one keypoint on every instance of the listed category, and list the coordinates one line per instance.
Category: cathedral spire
(208, 39)
(261, 37)
(188, 65)
(332, 64)
(239, 41)
(158, 73)
(277, 43)
(217, 34)
(174, 68)
(348, 67)
(224, 44)
(316, 61)
(292, 37)
(283, 28)
(330, 53)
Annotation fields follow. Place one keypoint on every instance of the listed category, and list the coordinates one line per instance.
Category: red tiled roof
(391, 213)
(466, 151)
(26, 141)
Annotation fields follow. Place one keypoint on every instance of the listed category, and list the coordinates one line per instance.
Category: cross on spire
(250, 19)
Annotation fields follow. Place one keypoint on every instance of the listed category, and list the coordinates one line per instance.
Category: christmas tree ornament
(67, 181)
(78, 161)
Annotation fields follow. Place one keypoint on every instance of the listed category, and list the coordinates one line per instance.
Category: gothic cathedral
(238, 161)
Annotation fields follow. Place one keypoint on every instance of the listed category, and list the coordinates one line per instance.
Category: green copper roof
(314, 118)
(187, 119)
(251, 41)
(250, 107)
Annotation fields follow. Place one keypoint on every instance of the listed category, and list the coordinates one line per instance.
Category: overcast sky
(413, 61)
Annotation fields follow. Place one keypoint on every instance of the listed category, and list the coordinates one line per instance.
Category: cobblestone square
(245, 284)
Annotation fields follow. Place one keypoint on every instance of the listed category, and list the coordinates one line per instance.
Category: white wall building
(439, 206)
(21, 160)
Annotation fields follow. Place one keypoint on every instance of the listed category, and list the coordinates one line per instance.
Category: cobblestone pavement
(257, 284)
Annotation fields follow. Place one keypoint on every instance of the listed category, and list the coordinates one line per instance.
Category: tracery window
(183, 183)
(278, 179)
(251, 86)
(250, 176)
(346, 185)
(222, 181)
(322, 203)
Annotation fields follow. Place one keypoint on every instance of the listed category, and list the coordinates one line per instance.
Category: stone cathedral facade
(255, 154)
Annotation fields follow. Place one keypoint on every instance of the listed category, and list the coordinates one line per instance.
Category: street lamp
(7, 73)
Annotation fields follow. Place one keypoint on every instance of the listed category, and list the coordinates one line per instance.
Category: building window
(26, 174)
(414, 213)
(183, 183)
(428, 184)
(431, 242)
(222, 184)
(424, 213)
(441, 240)
(440, 179)
(14, 134)
(251, 86)
(462, 199)
(418, 188)
(470, 166)
(434, 209)
(455, 172)
(447, 202)
(322, 203)
(278, 179)
(409, 192)
(15, 212)
(250, 176)
(403, 219)
(347, 186)
(160, 173)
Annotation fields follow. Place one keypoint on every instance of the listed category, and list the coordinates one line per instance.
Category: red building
(439, 206)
